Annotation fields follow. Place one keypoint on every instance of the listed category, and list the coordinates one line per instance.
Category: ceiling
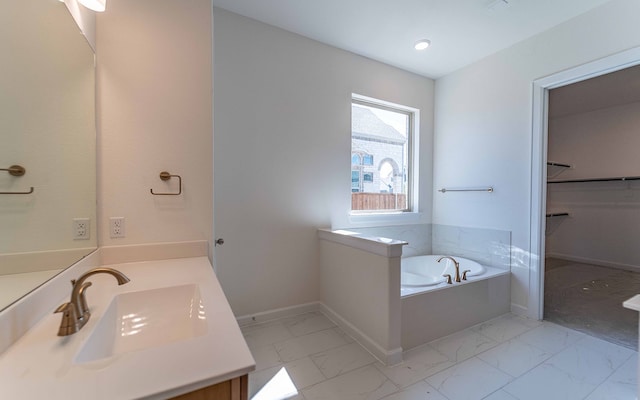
(609, 90)
(461, 31)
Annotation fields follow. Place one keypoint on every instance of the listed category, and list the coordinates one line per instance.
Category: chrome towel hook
(16, 170)
(165, 176)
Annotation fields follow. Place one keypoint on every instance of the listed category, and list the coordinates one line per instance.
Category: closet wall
(599, 138)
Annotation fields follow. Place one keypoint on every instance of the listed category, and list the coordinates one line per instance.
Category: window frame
(412, 176)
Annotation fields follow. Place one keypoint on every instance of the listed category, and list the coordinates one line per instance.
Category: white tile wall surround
(417, 236)
(506, 358)
(489, 247)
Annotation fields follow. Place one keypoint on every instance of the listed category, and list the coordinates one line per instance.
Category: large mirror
(47, 126)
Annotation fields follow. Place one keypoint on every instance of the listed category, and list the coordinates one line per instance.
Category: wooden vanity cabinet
(233, 389)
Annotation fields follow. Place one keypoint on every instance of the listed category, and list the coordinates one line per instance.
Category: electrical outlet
(116, 227)
(81, 228)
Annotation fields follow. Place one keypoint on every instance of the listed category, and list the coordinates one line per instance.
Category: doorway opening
(552, 217)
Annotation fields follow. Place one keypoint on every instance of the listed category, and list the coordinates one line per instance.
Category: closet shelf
(620, 178)
(553, 215)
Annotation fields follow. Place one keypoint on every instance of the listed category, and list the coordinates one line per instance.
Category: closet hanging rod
(555, 164)
(445, 190)
(563, 214)
(621, 178)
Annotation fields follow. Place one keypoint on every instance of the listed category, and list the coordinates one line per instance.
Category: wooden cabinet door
(234, 389)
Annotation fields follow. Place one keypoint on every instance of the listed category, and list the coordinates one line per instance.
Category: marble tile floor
(588, 298)
(307, 357)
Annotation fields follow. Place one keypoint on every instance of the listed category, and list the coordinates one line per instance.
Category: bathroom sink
(150, 318)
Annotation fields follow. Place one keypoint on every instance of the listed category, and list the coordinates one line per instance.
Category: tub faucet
(76, 312)
(456, 264)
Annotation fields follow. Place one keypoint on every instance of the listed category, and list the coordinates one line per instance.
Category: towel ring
(16, 170)
(165, 176)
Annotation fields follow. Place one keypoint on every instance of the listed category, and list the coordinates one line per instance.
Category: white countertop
(40, 365)
(15, 286)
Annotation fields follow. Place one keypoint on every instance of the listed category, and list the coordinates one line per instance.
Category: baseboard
(387, 357)
(269, 315)
(603, 263)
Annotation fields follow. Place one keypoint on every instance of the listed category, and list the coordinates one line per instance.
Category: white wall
(155, 114)
(604, 223)
(85, 19)
(483, 125)
(282, 154)
(597, 144)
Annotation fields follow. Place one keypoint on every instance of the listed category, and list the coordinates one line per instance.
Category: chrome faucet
(456, 264)
(76, 312)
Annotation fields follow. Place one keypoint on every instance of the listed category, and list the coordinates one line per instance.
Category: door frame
(539, 143)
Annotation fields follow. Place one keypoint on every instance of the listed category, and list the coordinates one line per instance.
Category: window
(382, 137)
(367, 159)
(355, 181)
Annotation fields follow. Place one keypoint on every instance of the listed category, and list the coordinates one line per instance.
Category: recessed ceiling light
(422, 44)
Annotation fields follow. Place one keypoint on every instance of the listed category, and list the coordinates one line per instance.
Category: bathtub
(391, 304)
(420, 271)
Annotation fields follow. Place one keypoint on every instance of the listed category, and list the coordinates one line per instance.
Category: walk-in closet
(592, 261)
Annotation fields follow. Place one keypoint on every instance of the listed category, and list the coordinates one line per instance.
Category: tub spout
(456, 264)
